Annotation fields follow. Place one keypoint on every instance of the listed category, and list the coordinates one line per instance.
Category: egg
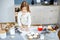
(32, 33)
(30, 37)
(35, 36)
(12, 36)
(28, 34)
(49, 27)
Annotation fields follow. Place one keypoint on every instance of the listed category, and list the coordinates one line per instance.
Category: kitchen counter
(50, 36)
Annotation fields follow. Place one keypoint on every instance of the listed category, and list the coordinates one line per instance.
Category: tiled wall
(17, 2)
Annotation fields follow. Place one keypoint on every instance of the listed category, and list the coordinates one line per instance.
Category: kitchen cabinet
(44, 14)
(7, 11)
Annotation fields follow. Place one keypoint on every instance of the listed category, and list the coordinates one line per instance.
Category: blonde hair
(24, 4)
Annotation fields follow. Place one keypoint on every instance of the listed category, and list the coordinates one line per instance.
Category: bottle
(38, 1)
(51, 2)
(55, 3)
(32, 2)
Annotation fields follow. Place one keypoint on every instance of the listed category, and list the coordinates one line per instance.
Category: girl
(24, 17)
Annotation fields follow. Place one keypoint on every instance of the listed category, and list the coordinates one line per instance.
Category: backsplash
(18, 2)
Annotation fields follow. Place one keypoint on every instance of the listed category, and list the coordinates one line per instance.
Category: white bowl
(3, 35)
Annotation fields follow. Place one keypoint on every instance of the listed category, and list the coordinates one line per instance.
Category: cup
(3, 35)
(12, 31)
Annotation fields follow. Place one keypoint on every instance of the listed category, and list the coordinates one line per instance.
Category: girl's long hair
(24, 4)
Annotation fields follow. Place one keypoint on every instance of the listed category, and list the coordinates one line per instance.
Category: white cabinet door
(51, 15)
(44, 14)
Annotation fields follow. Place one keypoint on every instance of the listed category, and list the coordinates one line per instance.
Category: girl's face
(24, 9)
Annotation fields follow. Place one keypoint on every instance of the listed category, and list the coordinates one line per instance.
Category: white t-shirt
(24, 19)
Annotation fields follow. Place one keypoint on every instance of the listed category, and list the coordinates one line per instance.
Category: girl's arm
(29, 20)
(19, 22)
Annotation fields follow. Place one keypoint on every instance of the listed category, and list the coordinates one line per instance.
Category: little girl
(24, 17)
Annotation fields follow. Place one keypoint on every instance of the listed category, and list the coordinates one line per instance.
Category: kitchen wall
(44, 14)
(18, 2)
(7, 11)
(59, 14)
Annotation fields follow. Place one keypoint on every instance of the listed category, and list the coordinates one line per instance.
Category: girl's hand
(24, 28)
(21, 27)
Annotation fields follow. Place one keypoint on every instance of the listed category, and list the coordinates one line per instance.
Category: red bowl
(40, 29)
